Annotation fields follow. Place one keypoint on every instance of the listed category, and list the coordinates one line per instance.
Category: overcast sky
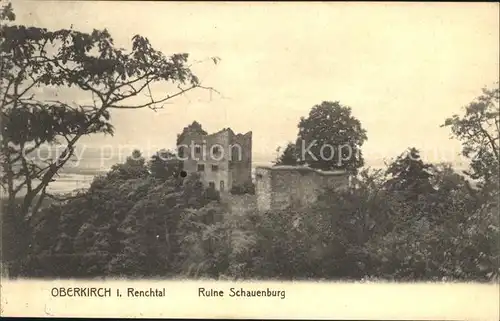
(403, 68)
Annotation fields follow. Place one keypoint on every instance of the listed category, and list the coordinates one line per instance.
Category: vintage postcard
(306, 160)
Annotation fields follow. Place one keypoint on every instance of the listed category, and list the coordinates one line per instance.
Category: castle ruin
(223, 159)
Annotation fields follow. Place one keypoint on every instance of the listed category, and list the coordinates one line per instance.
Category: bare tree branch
(181, 92)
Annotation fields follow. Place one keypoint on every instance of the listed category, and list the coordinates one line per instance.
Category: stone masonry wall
(216, 168)
(241, 162)
(219, 169)
(263, 188)
(281, 186)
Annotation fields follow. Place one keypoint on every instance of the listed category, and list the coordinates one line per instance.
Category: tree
(165, 165)
(34, 59)
(479, 131)
(7, 13)
(331, 138)
(409, 175)
(463, 246)
(194, 127)
(134, 167)
(123, 225)
(288, 157)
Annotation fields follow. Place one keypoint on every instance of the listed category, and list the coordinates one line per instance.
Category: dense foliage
(289, 156)
(131, 225)
(124, 225)
(329, 138)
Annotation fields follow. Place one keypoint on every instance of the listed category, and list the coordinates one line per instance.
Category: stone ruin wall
(280, 186)
(232, 169)
(241, 165)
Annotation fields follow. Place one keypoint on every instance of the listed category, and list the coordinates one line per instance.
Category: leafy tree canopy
(409, 174)
(479, 130)
(164, 165)
(331, 138)
(289, 155)
(34, 58)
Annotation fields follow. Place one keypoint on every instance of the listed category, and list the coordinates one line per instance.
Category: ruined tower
(223, 159)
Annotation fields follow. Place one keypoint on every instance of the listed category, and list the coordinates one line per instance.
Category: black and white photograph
(245, 141)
